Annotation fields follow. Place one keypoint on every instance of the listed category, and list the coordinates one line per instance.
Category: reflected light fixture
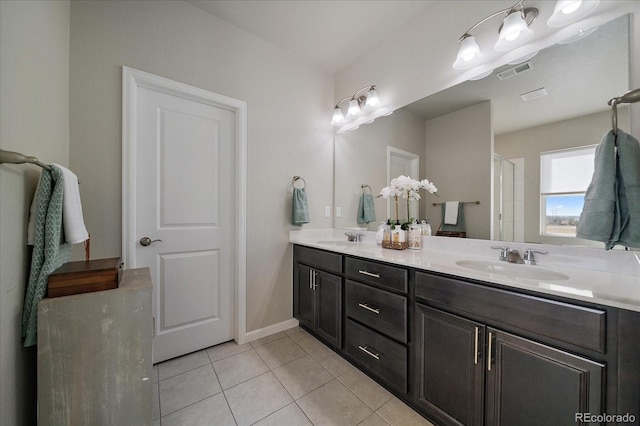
(569, 11)
(358, 104)
(513, 32)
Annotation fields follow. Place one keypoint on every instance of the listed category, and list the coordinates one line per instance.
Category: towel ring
(363, 186)
(295, 179)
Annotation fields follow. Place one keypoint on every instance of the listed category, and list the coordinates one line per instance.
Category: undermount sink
(512, 270)
(337, 243)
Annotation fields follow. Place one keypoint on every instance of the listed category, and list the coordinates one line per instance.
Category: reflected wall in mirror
(471, 135)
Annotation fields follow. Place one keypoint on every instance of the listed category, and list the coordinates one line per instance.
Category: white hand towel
(75, 230)
(451, 212)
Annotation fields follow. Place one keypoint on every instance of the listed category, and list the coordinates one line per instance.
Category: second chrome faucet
(513, 256)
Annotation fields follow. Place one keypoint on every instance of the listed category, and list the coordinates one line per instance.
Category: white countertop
(610, 278)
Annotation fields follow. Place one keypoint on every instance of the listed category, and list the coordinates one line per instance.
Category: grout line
(270, 370)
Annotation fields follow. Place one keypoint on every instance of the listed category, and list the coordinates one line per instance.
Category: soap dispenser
(380, 233)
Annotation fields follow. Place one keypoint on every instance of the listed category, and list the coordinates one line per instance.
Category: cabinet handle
(475, 353)
(311, 279)
(489, 352)
(369, 308)
(370, 274)
(365, 349)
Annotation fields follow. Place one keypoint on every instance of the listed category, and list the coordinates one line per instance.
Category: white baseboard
(267, 331)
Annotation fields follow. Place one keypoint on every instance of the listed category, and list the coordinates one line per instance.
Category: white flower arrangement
(408, 188)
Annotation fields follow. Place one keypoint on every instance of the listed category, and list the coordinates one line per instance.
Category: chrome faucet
(508, 255)
(529, 258)
(353, 237)
(504, 252)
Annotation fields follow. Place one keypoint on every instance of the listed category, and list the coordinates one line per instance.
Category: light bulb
(569, 11)
(469, 53)
(372, 97)
(354, 108)
(338, 117)
(571, 6)
(514, 32)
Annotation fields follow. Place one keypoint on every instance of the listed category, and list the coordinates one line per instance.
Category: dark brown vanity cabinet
(471, 373)
(317, 293)
(449, 367)
(468, 352)
(468, 372)
(376, 310)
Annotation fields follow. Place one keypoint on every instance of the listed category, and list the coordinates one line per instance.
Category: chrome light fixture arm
(529, 14)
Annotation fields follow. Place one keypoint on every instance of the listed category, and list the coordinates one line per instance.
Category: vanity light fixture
(569, 11)
(358, 103)
(513, 32)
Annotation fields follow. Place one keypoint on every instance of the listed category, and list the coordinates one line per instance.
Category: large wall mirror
(482, 140)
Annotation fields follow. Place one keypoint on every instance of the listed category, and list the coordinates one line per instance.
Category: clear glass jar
(415, 236)
(426, 228)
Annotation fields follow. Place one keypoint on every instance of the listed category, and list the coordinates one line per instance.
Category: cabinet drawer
(379, 309)
(378, 354)
(577, 325)
(331, 262)
(387, 276)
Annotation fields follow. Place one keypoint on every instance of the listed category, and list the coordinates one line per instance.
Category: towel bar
(11, 157)
(630, 97)
(464, 202)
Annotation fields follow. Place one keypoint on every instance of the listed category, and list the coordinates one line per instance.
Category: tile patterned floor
(286, 379)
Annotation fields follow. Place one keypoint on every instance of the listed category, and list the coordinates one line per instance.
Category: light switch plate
(327, 211)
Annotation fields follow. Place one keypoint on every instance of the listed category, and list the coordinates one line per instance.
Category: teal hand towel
(300, 212)
(366, 209)
(49, 252)
(626, 230)
(459, 226)
(600, 211)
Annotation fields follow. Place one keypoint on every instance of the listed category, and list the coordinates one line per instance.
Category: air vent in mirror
(512, 72)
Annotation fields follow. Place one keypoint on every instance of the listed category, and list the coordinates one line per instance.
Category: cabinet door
(328, 290)
(449, 366)
(303, 295)
(532, 384)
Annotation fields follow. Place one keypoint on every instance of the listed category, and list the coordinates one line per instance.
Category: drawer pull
(370, 274)
(368, 352)
(475, 350)
(489, 353)
(369, 308)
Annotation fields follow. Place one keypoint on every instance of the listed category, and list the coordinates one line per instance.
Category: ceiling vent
(512, 72)
(534, 94)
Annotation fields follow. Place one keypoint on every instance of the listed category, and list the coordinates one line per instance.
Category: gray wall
(34, 111)
(459, 160)
(289, 109)
(361, 158)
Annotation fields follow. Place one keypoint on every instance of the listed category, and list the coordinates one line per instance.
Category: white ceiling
(580, 78)
(328, 34)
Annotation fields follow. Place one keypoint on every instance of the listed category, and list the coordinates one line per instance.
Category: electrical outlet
(338, 211)
(327, 211)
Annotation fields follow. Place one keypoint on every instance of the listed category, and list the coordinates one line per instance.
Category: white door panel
(185, 198)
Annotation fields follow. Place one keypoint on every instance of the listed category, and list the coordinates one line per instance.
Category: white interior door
(185, 199)
(404, 163)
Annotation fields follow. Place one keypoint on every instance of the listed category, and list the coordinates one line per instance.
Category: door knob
(146, 241)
